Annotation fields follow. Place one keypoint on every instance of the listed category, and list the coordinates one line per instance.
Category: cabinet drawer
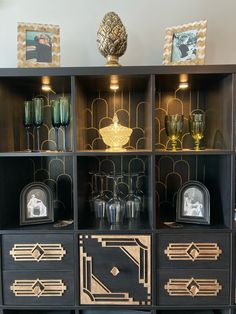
(193, 250)
(193, 287)
(38, 288)
(32, 252)
(115, 269)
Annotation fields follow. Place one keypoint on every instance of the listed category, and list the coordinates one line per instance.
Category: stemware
(132, 201)
(38, 104)
(65, 117)
(197, 128)
(100, 201)
(56, 121)
(28, 120)
(174, 128)
(138, 192)
(115, 208)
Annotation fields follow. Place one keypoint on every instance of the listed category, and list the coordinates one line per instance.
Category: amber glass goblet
(174, 127)
(197, 128)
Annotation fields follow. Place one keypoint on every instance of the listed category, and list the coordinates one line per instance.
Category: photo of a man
(39, 46)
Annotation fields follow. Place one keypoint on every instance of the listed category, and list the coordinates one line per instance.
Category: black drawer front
(38, 288)
(193, 250)
(37, 252)
(121, 264)
(193, 287)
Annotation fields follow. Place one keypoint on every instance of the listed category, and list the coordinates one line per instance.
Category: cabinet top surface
(123, 70)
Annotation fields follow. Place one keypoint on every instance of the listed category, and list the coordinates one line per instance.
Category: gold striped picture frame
(185, 44)
(38, 45)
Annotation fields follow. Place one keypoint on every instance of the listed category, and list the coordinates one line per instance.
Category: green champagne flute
(174, 128)
(56, 121)
(28, 120)
(65, 117)
(38, 104)
(197, 128)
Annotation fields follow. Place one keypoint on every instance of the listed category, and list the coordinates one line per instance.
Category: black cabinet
(139, 266)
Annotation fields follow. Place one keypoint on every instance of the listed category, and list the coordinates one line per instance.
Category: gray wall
(145, 22)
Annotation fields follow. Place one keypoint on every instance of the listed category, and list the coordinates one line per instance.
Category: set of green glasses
(34, 115)
(174, 128)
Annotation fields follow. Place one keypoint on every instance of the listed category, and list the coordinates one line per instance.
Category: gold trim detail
(193, 251)
(37, 252)
(115, 271)
(137, 248)
(38, 288)
(193, 287)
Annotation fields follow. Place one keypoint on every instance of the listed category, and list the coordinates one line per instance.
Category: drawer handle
(114, 271)
(38, 288)
(37, 252)
(193, 287)
(193, 251)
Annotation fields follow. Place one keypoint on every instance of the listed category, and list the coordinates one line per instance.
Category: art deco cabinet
(139, 266)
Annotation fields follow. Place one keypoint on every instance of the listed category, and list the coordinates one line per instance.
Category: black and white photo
(36, 204)
(193, 203)
(184, 46)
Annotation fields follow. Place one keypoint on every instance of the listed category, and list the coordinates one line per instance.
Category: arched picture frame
(36, 204)
(193, 203)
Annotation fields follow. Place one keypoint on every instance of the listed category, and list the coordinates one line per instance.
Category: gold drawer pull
(37, 252)
(193, 251)
(115, 271)
(38, 288)
(193, 287)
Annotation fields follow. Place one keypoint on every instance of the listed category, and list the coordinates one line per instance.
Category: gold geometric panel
(193, 287)
(37, 252)
(193, 251)
(138, 250)
(38, 288)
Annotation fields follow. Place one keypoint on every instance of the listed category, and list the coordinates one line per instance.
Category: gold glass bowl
(115, 135)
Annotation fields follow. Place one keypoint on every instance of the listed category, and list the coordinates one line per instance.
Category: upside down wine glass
(132, 201)
(100, 201)
(174, 128)
(56, 121)
(38, 104)
(28, 120)
(197, 128)
(65, 117)
(115, 207)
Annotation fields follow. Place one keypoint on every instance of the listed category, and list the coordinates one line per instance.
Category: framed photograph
(36, 204)
(185, 44)
(193, 203)
(38, 45)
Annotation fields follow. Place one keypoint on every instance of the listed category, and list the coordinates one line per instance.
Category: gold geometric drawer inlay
(193, 287)
(38, 288)
(37, 252)
(193, 251)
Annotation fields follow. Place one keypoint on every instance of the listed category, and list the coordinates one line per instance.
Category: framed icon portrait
(36, 204)
(193, 203)
(38, 45)
(185, 44)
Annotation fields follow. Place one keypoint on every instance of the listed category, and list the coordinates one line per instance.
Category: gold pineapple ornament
(112, 38)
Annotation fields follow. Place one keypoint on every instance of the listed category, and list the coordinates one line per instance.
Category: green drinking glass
(56, 120)
(174, 128)
(38, 104)
(197, 128)
(28, 120)
(65, 117)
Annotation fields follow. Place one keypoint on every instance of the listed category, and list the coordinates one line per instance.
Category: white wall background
(145, 22)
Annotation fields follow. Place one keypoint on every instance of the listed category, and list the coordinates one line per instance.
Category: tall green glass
(65, 117)
(174, 128)
(56, 119)
(197, 128)
(38, 104)
(28, 120)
